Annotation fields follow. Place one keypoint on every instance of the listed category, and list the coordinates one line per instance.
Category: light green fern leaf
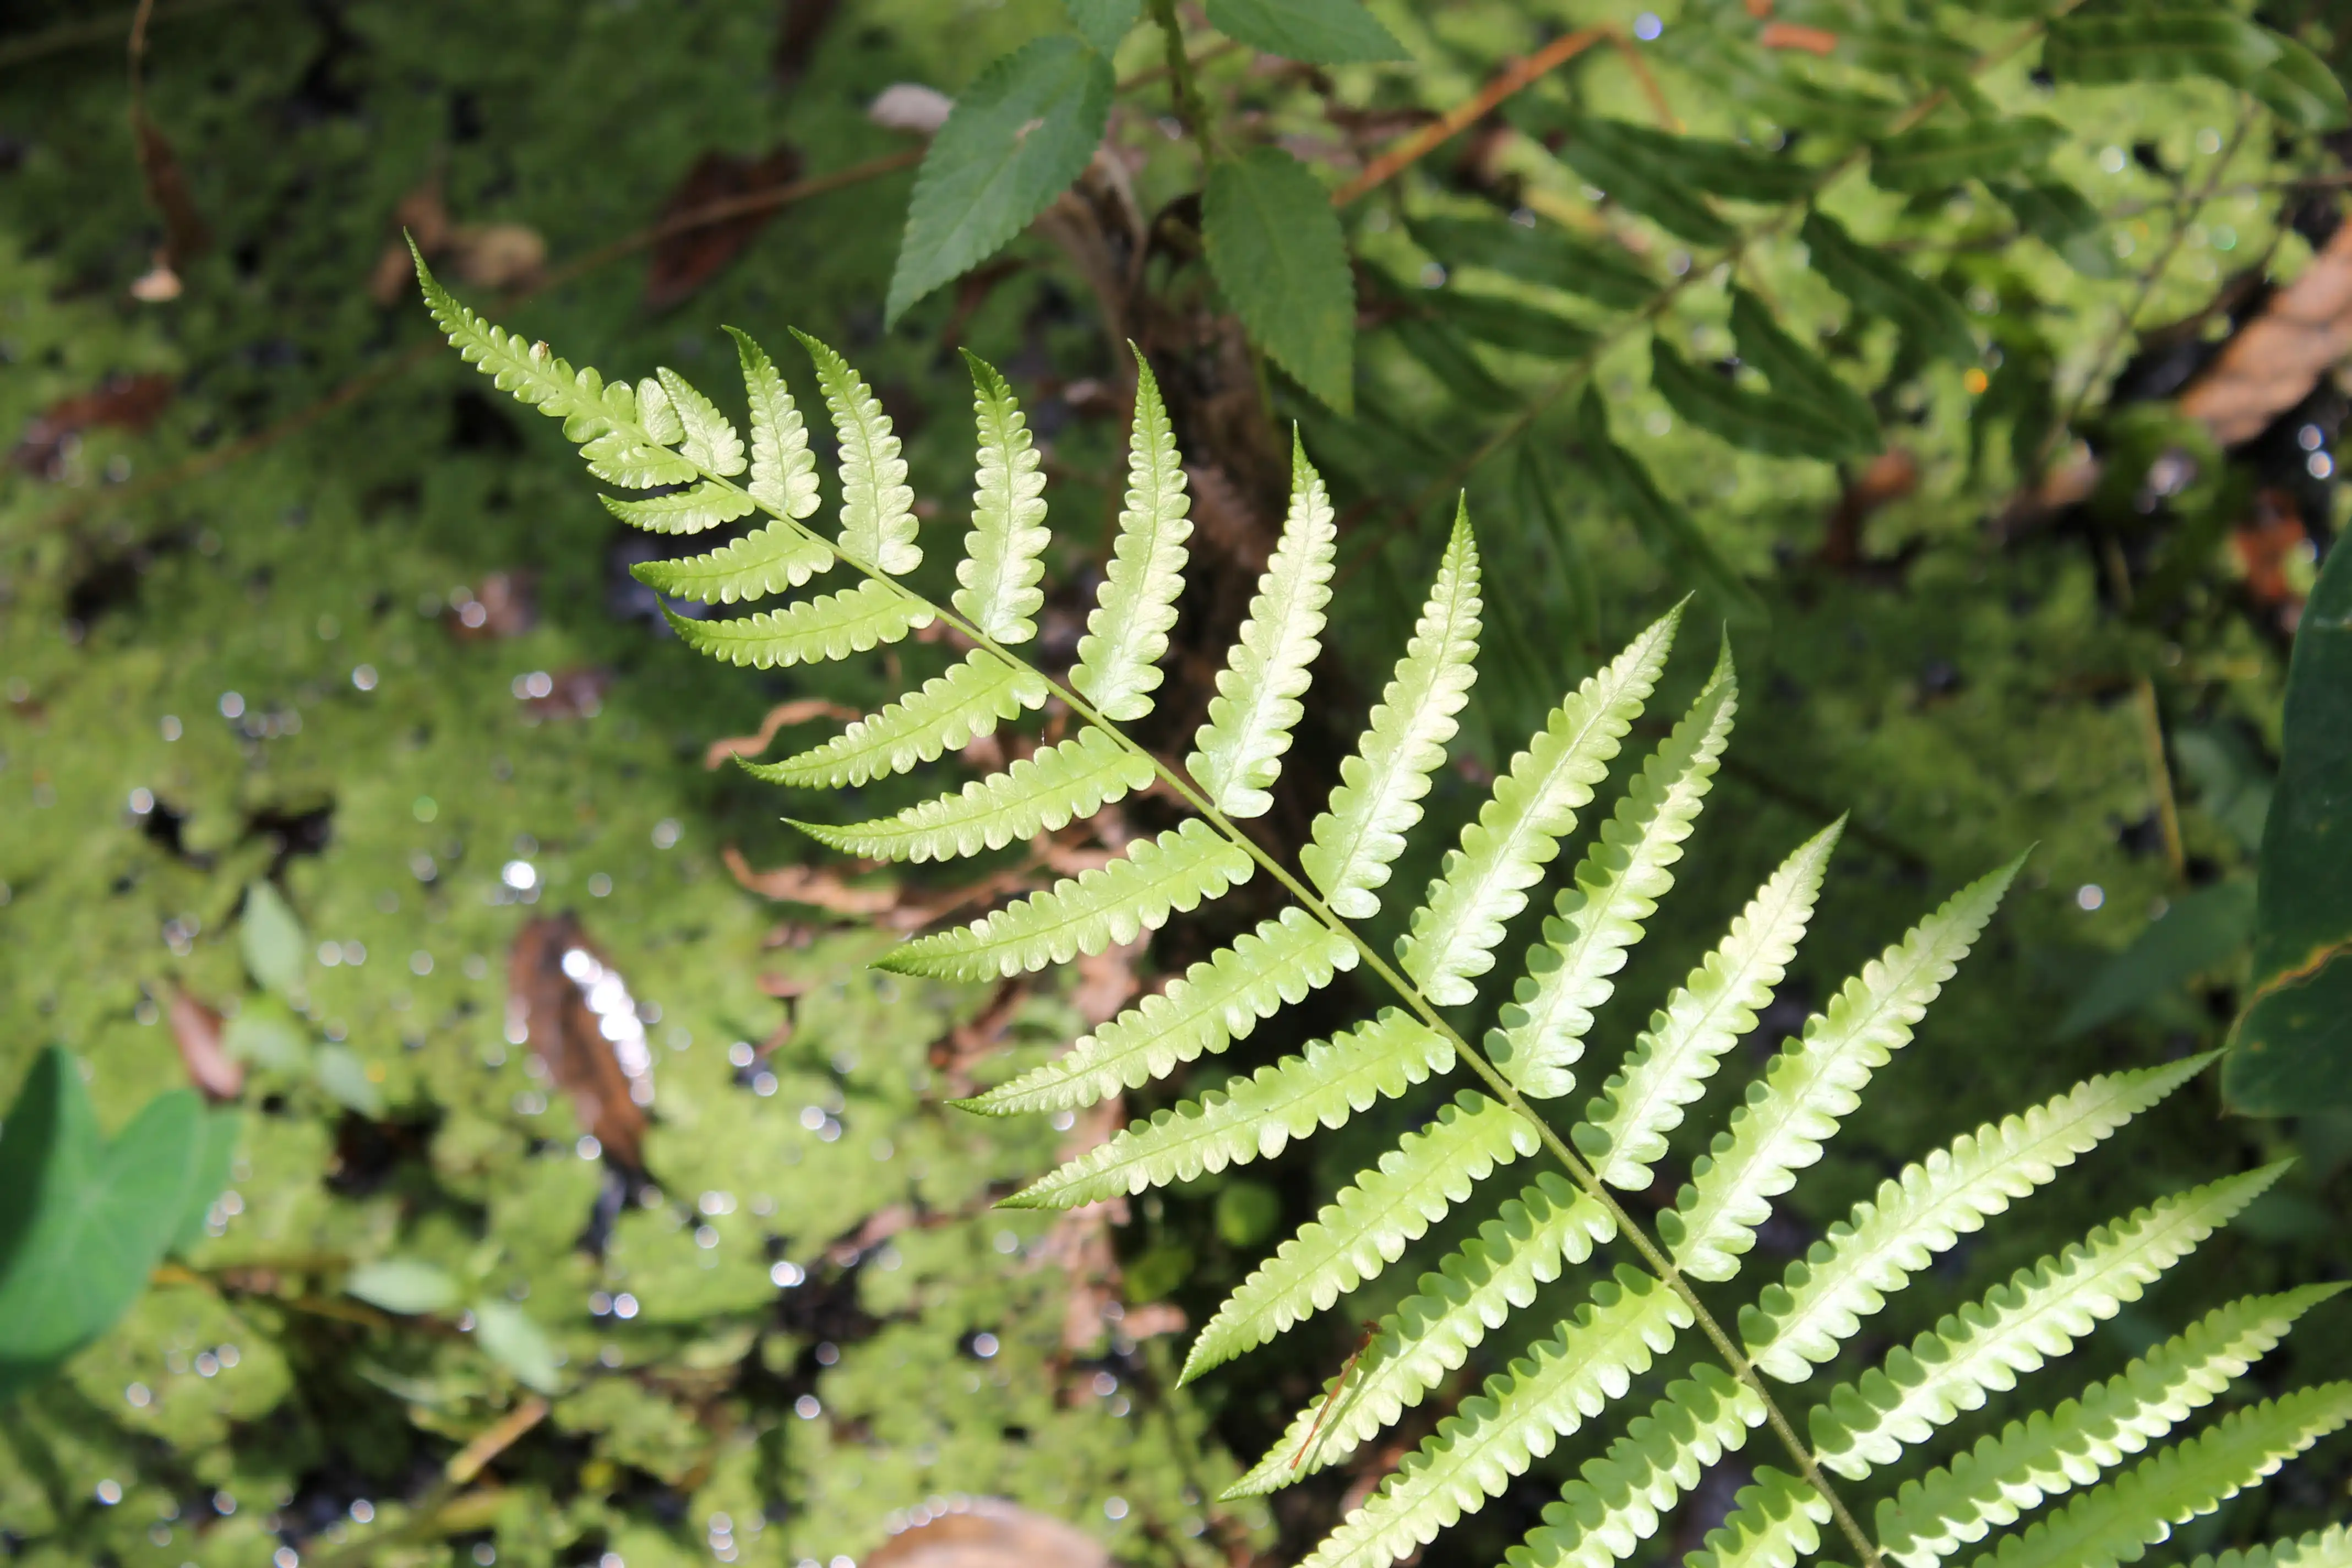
(783, 469)
(1772, 1525)
(1119, 658)
(1484, 883)
(1039, 793)
(1624, 1132)
(690, 510)
(1253, 1117)
(1430, 1336)
(1618, 1500)
(1365, 1228)
(2118, 1522)
(2036, 1315)
(1238, 752)
(2329, 1548)
(1102, 908)
(829, 626)
(655, 413)
(1815, 1082)
(877, 507)
(709, 441)
(1618, 885)
(1217, 1001)
(1379, 796)
(942, 714)
(2058, 1450)
(1001, 568)
(1872, 1253)
(1522, 1416)
(781, 555)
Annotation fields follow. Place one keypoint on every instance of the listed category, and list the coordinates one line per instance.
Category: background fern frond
(1617, 887)
(2329, 1548)
(1039, 793)
(1772, 1525)
(783, 469)
(1119, 658)
(813, 631)
(1378, 798)
(942, 714)
(997, 579)
(781, 555)
(877, 505)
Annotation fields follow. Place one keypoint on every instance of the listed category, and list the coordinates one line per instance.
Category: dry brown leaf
(565, 1000)
(196, 1030)
(685, 260)
(956, 1052)
(131, 403)
(506, 607)
(784, 715)
(2275, 359)
(1080, 1241)
(1107, 982)
(419, 216)
(497, 254)
(576, 693)
(815, 886)
(984, 1533)
(185, 233)
(2264, 547)
(1152, 1319)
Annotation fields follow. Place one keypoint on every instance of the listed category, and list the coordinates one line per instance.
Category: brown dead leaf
(577, 693)
(507, 606)
(196, 1030)
(572, 1008)
(419, 216)
(816, 886)
(2275, 359)
(1107, 982)
(2263, 545)
(131, 403)
(984, 1533)
(185, 233)
(497, 254)
(963, 1046)
(1152, 1319)
(1227, 521)
(783, 716)
(1080, 1241)
(685, 260)
(1887, 478)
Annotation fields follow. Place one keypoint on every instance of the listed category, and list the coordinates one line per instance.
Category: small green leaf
(1539, 252)
(270, 937)
(1103, 23)
(1646, 157)
(1671, 533)
(1327, 32)
(1882, 286)
(1512, 324)
(266, 1033)
(1938, 157)
(2056, 214)
(1629, 169)
(2299, 88)
(2110, 47)
(1016, 139)
(409, 1286)
(1276, 248)
(1766, 422)
(1442, 351)
(339, 1072)
(2201, 933)
(509, 1337)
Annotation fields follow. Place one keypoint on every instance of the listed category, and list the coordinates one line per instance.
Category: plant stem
(1184, 85)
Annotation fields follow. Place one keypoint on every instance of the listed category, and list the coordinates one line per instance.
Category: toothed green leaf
(1108, 905)
(783, 469)
(1001, 567)
(830, 627)
(1238, 752)
(1127, 632)
(1036, 795)
(1212, 1004)
(1618, 885)
(778, 556)
(1815, 1082)
(1772, 1525)
(941, 715)
(1518, 830)
(877, 505)
(1379, 796)
(699, 507)
(1624, 1132)
(709, 440)
(1365, 1228)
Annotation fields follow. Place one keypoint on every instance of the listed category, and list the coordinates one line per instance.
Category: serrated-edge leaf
(829, 626)
(1533, 806)
(1873, 1253)
(1365, 1228)
(1157, 878)
(1327, 32)
(2328, 1548)
(947, 711)
(2116, 1522)
(1253, 1116)
(997, 579)
(2055, 1451)
(709, 441)
(1880, 285)
(1624, 1130)
(878, 505)
(1219, 1000)
(2034, 1316)
(783, 469)
(1126, 632)
(695, 509)
(1280, 258)
(1038, 793)
(1772, 1525)
(1520, 1416)
(781, 555)
(1618, 884)
(1474, 1290)
(1379, 796)
(1815, 1082)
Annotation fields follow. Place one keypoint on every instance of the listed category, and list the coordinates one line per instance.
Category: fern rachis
(662, 432)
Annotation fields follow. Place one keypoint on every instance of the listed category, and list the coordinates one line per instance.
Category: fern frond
(1872, 1253)
(1618, 1500)
(1365, 1228)
(2057, 1450)
(1617, 887)
(1431, 1334)
(783, 469)
(1624, 1132)
(1379, 795)
(1001, 568)
(695, 509)
(1815, 1082)
(2017, 1326)
(1534, 805)
(829, 626)
(2117, 1523)
(1036, 795)
(2329, 1548)
(1238, 752)
(877, 505)
(1520, 1416)
(1214, 1003)
(1773, 1523)
(707, 440)
(939, 716)
(1253, 1117)
(1108, 905)
(1119, 658)
(781, 555)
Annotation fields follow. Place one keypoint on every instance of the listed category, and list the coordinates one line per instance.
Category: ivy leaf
(2057, 214)
(2110, 47)
(1668, 531)
(2292, 1045)
(509, 1337)
(1883, 287)
(1277, 252)
(2299, 88)
(1016, 139)
(1537, 253)
(1326, 32)
(1938, 157)
(1103, 23)
(2203, 931)
(409, 1286)
(270, 935)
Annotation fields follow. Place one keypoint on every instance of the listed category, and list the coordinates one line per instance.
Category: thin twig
(1515, 77)
(100, 30)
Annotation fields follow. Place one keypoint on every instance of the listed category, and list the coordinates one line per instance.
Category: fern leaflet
(878, 507)
(707, 438)
(1772, 1525)
(829, 626)
(783, 469)
(944, 713)
(695, 509)
(998, 576)
(781, 555)
(1036, 795)
(2329, 1548)
(1119, 658)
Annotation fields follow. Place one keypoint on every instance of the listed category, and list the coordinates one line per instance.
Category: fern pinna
(663, 435)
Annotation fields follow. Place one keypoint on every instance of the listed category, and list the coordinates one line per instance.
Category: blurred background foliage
(586, 1197)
